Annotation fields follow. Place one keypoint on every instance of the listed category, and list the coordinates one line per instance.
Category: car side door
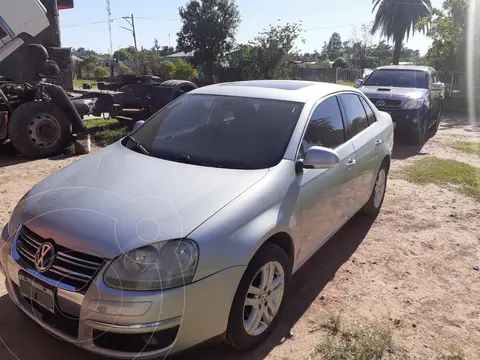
(365, 135)
(325, 194)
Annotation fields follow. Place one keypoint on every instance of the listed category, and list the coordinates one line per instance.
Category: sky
(87, 26)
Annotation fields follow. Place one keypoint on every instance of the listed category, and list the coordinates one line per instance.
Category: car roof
(288, 90)
(405, 67)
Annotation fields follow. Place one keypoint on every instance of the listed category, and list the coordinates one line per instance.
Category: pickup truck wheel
(374, 203)
(434, 128)
(418, 136)
(39, 129)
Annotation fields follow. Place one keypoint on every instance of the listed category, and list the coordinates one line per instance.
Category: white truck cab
(31, 19)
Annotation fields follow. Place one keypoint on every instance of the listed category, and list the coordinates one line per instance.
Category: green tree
(339, 63)
(334, 46)
(397, 19)
(100, 72)
(122, 55)
(266, 57)
(166, 70)
(448, 30)
(125, 70)
(89, 63)
(184, 71)
(208, 29)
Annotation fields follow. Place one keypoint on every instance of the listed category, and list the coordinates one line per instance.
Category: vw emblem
(380, 103)
(44, 257)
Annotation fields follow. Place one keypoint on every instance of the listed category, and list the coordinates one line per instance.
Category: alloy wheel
(263, 299)
(379, 190)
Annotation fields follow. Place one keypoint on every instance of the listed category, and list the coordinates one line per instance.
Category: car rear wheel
(259, 299)
(374, 203)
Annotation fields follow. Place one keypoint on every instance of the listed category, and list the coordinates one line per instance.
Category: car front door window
(325, 194)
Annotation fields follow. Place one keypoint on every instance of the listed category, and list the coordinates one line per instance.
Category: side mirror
(359, 82)
(437, 87)
(137, 125)
(318, 157)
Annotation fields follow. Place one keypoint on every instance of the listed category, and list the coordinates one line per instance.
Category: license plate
(33, 290)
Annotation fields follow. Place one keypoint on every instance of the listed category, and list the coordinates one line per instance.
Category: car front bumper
(114, 323)
(407, 121)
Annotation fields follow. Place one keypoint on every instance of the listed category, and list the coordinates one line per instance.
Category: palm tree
(396, 19)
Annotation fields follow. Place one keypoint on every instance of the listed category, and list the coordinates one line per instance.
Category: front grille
(389, 103)
(69, 267)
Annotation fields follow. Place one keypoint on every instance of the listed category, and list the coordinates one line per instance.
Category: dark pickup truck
(412, 95)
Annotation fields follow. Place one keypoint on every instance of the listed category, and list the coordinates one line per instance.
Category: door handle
(350, 163)
(378, 142)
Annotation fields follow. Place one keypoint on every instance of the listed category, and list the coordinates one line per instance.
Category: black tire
(372, 208)
(434, 128)
(20, 133)
(418, 136)
(236, 335)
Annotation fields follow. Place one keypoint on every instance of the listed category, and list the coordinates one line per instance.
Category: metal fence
(338, 75)
(456, 85)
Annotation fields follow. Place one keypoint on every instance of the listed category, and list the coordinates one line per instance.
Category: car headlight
(160, 266)
(413, 103)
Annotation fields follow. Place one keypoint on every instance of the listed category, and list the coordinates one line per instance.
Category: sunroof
(282, 85)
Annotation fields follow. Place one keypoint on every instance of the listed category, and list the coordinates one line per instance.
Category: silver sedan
(192, 226)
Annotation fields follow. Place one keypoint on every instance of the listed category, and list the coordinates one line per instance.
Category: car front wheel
(259, 299)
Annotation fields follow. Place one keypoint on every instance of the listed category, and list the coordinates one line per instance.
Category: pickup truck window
(398, 78)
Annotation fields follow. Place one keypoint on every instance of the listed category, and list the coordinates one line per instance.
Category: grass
(446, 172)
(346, 83)
(370, 341)
(467, 147)
(79, 82)
(107, 137)
(101, 124)
(453, 353)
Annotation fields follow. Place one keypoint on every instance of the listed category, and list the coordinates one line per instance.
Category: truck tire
(39, 129)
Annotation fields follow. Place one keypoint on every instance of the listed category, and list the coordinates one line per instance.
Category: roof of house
(288, 90)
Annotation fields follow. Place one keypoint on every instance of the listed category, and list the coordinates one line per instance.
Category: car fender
(232, 236)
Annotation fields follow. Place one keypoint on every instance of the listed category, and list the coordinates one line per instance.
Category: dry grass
(370, 341)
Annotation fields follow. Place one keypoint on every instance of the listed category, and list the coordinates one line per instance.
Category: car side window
(370, 114)
(354, 113)
(325, 127)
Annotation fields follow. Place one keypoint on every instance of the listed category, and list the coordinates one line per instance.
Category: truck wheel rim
(44, 130)
(263, 299)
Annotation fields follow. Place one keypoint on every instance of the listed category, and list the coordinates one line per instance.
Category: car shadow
(307, 283)
(454, 120)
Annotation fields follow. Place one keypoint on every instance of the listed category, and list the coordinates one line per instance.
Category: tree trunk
(397, 50)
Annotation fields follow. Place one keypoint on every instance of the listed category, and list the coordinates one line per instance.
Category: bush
(166, 70)
(125, 70)
(184, 71)
(339, 63)
(323, 64)
(100, 72)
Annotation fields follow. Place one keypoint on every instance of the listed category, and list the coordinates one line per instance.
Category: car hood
(116, 200)
(382, 92)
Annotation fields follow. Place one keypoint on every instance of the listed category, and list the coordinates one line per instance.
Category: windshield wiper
(138, 145)
(187, 158)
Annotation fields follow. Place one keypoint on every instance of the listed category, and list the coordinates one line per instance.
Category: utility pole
(131, 21)
(109, 11)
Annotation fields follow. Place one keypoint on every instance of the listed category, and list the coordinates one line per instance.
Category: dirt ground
(413, 266)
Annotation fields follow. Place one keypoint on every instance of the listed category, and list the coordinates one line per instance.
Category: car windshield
(399, 78)
(220, 131)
